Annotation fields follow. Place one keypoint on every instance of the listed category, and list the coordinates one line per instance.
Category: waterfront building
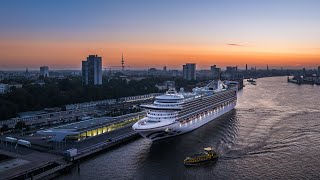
(231, 72)
(153, 71)
(174, 73)
(216, 72)
(16, 85)
(231, 69)
(189, 71)
(89, 128)
(44, 71)
(161, 87)
(166, 85)
(4, 88)
(204, 74)
(92, 70)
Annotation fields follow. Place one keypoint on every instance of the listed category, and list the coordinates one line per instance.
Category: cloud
(232, 44)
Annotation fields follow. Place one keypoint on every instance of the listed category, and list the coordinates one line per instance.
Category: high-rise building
(318, 70)
(231, 69)
(164, 68)
(4, 88)
(215, 72)
(44, 71)
(27, 72)
(92, 70)
(189, 71)
(246, 67)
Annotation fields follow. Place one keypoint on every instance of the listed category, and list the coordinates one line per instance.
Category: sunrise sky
(157, 33)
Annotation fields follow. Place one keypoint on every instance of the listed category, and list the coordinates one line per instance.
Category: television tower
(122, 63)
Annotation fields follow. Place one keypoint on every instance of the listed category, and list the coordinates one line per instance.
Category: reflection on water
(274, 133)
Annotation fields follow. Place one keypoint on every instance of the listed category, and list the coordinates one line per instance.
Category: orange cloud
(64, 55)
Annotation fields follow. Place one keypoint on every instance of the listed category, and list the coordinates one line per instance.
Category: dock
(47, 165)
(103, 146)
(314, 80)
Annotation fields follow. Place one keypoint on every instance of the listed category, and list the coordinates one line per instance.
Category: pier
(102, 146)
(46, 165)
(46, 159)
(314, 80)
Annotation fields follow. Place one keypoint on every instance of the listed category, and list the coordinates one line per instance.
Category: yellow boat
(207, 156)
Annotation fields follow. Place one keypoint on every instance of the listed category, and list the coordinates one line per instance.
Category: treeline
(56, 93)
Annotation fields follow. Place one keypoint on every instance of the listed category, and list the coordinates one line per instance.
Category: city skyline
(156, 34)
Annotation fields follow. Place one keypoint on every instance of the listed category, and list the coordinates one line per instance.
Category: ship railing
(181, 118)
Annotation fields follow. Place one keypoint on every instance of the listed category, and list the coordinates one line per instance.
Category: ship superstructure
(175, 113)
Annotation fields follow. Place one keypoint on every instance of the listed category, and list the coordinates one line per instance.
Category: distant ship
(176, 113)
(252, 81)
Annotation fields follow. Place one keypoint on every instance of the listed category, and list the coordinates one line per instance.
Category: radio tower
(122, 63)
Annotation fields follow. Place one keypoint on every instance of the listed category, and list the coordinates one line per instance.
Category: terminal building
(130, 99)
(72, 111)
(82, 130)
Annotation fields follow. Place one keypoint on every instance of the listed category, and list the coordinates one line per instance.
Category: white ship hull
(178, 128)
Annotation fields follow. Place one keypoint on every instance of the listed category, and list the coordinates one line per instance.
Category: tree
(59, 92)
(4, 128)
(20, 125)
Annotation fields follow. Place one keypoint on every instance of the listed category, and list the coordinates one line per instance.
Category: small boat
(251, 80)
(207, 156)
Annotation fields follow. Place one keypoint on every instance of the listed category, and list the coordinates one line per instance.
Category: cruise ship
(175, 113)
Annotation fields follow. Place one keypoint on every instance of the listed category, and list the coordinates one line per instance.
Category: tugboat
(207, 156)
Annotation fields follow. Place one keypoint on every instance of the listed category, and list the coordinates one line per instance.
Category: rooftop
(87, 124)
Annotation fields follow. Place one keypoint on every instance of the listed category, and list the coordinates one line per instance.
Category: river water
(273, 133)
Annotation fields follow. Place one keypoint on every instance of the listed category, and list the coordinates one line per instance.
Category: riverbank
(29, 163)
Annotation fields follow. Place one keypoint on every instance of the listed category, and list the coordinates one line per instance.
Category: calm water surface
(273, 133)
